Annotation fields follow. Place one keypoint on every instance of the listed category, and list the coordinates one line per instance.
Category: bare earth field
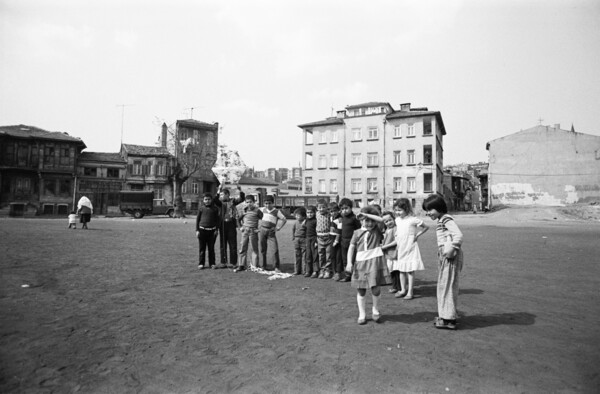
(122, 308)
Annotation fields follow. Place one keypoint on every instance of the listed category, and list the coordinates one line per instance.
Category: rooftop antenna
(192, 111)
(540, 120)
(123, 117)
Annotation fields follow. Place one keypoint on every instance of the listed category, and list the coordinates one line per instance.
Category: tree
(188, 156)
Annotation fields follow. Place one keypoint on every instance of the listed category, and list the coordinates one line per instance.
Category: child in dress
(390, 251)
(368, 268)
(450, 257)
(409, 255)
(73, 220)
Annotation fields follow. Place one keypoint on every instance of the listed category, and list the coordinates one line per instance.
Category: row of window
(24, 155)
(372, 159)
(356, 185)
(372, 133)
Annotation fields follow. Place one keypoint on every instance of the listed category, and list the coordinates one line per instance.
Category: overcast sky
(260, 68)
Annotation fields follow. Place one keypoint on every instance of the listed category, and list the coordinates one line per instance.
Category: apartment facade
(37, 171)
(374, 154)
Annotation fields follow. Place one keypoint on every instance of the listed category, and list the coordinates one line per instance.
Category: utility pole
(192, 111)
(123, 117)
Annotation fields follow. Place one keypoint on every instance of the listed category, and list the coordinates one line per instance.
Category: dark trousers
(396, 280)
(345, 243)
(268, 243)
(228, 236)
(336, 258)
(206, 240)
(300, 249)
(312, 255)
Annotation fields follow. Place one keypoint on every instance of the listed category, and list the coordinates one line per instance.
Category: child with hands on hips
(409, 255)
(368, 268)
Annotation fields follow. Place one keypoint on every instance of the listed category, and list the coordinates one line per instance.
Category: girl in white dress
(409, 255)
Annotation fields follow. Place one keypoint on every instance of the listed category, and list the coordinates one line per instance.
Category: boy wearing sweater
(248, 221)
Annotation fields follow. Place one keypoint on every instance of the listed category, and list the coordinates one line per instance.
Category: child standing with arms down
(409, 255)
(267, 235)
(312, 256)
(390, 251)
(248, 221)
(299, 239)
(349, 224)
(450, 257)
(369, 269)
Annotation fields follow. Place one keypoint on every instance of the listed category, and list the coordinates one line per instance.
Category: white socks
(376, 304)
(362, 305)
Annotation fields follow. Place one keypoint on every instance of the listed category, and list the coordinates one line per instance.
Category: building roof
(326, 122)
(257, 181)
(414, 114)
(369, 104)
(31, 132)
(142, 150)
(101, 157)
(539, 129)
(196, 123)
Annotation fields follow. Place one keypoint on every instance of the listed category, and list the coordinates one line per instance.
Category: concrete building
(544, 165)
(297, 173)
(100, 177)
(372, 153)
(37, 171)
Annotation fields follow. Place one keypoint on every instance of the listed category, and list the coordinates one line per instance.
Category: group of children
(371, 249)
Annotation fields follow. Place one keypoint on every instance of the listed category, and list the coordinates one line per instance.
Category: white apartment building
(373, 154)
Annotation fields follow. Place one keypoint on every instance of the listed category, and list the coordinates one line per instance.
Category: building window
(411, 130)
(137, 167)
(49, 154)
(397, 184)
(356, 135)
(397, 158)
(333, 161)
(65, 186)
(49, 187)
(184, 188)
(160, 168)
(333, 186)
(356, 160)
(427, 154)
(334, 136)
(410, 157)
(322, 188)
(323, 137)
(195, 188)
(427, 127)
(427, 183)
(308, 137)
(397, 131)
(112, 172)
(135, 186)
(308, 185)
(308, 164)
(322, 161)
(356, 185)
(158, 193)
(411, 184)
(371, 185)
(373, 133)
(88, 171)
(372, 159)
(64, 155)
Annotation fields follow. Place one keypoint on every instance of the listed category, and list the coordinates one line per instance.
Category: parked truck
(140, 203)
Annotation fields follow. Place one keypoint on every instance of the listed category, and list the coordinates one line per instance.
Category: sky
(107, 71)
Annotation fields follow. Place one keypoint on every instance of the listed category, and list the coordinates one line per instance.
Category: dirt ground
(122, 308)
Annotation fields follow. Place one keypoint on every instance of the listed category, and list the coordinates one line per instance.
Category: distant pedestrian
(248, 221)
(476, 197)
(272, 221)
(207, 226)
(299, 240)
(73, 220)
(228, 230)
(409, 255)
(85, 210)
(450, 257)
(366, 263)
(468, 199)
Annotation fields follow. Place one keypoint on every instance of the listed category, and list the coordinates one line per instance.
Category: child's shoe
(327, 275)
(321, 274)
(314, 275)
(336, 277)
(307, 274)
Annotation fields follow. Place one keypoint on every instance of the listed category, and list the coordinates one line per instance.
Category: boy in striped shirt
(267, 238)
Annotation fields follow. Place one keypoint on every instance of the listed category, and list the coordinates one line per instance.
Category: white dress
(409, 255)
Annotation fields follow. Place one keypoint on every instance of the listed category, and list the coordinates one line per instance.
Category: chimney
(341, 114)
(405, 107)
(163, 136)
